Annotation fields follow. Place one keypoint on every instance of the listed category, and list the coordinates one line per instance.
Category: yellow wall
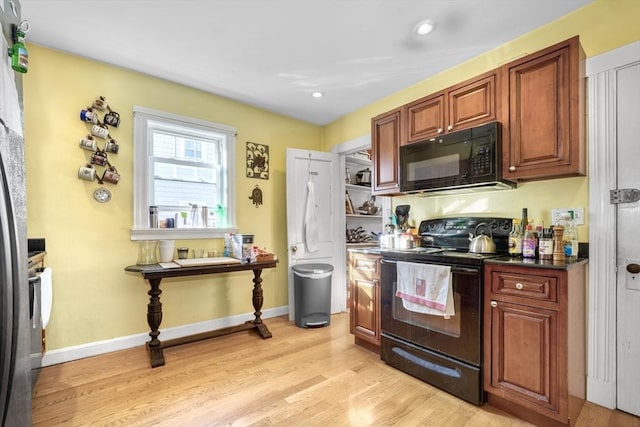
(88, 244)
(602, 26)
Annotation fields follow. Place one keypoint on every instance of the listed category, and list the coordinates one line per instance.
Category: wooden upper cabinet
(543, 124)
(425, 118)
(386, 133)
(467, 104)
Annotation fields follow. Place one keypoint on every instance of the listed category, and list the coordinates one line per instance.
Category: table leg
(154, 318)
(258, 299)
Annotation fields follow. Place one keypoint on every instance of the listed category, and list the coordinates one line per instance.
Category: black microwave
(464, 160)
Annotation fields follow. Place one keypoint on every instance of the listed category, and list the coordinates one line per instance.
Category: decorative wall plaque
(257, 160)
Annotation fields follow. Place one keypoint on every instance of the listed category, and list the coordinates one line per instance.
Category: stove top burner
(446, 240)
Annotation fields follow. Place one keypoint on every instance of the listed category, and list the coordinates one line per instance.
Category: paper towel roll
(46, 292)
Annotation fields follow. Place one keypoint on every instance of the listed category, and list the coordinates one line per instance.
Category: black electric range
(444, 351)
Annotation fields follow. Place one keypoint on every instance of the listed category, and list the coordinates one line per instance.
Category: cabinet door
(472, 103)
(364, 309)
(425, 118)
(544, 132)
(386, 131)
(524, 355)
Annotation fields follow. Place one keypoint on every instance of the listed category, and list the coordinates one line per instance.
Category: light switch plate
(577, 214)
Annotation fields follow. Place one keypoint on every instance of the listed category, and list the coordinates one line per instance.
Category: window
(182, 165)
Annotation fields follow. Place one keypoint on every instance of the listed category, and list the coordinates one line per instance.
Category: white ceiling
(274, 53)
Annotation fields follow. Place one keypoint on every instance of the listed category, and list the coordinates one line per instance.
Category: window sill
(179, 233)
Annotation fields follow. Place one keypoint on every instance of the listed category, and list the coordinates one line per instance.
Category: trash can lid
(312, 268)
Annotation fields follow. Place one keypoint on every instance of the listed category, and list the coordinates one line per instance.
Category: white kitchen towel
(311, 220)
(425, 288)
(46, 294)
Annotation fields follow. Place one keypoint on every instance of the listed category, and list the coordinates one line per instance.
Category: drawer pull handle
(519, 286)
(494, 304)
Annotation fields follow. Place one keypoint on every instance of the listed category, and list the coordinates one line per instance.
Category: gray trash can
(312, 294)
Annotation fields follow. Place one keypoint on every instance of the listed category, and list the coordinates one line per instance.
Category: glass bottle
(525, 219)
(569, 235)
(515, 238)
(545, 246)
(529, 243)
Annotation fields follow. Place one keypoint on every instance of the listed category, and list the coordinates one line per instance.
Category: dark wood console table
(154, 274)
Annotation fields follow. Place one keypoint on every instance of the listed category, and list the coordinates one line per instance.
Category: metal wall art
(257, 160)
(256, 196)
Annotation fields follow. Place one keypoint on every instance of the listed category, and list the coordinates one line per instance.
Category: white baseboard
(68, 354)
(601, 392)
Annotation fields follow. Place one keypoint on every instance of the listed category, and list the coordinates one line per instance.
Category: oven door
(458, 337)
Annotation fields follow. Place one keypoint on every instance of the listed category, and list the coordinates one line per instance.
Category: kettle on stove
(481, 243)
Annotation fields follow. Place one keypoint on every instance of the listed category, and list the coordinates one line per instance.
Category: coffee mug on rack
(88, 143)
(112, 146)
(112, 119)
(100, 103)
(111, 175)
(88, 173)
(99, 158)
(89, 116)
(100, 131)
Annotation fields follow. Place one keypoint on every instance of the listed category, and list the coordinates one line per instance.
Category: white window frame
(142, 171)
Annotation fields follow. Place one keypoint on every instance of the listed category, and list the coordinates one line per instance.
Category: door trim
(601, 352)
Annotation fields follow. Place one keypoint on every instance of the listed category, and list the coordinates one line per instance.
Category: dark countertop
(505, 260)
(537, 263)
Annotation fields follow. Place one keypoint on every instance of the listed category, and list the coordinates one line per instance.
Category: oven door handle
(454, 269)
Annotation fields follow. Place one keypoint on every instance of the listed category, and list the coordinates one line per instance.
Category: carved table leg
(257, 304)
(154, 318)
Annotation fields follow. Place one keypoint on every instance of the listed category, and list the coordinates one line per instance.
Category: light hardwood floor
(300, 377)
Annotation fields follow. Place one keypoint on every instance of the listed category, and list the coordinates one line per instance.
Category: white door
(628, 241)
(321, 169)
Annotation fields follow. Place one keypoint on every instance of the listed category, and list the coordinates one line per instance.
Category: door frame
(601, 353)
(362, 142)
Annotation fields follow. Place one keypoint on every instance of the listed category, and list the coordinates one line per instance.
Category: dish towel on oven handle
(425, 288)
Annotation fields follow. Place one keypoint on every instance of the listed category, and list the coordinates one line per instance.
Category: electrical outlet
(576, 213)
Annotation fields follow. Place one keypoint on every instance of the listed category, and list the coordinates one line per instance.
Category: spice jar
(545, 244)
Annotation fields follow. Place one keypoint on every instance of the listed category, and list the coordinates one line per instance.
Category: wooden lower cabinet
(364, 292)
(534, 341)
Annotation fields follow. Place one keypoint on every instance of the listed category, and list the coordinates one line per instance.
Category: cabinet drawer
(366, 265)
(542, 288)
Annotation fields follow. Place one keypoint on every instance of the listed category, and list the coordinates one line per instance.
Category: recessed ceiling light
(424, 27)
(317, 94)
